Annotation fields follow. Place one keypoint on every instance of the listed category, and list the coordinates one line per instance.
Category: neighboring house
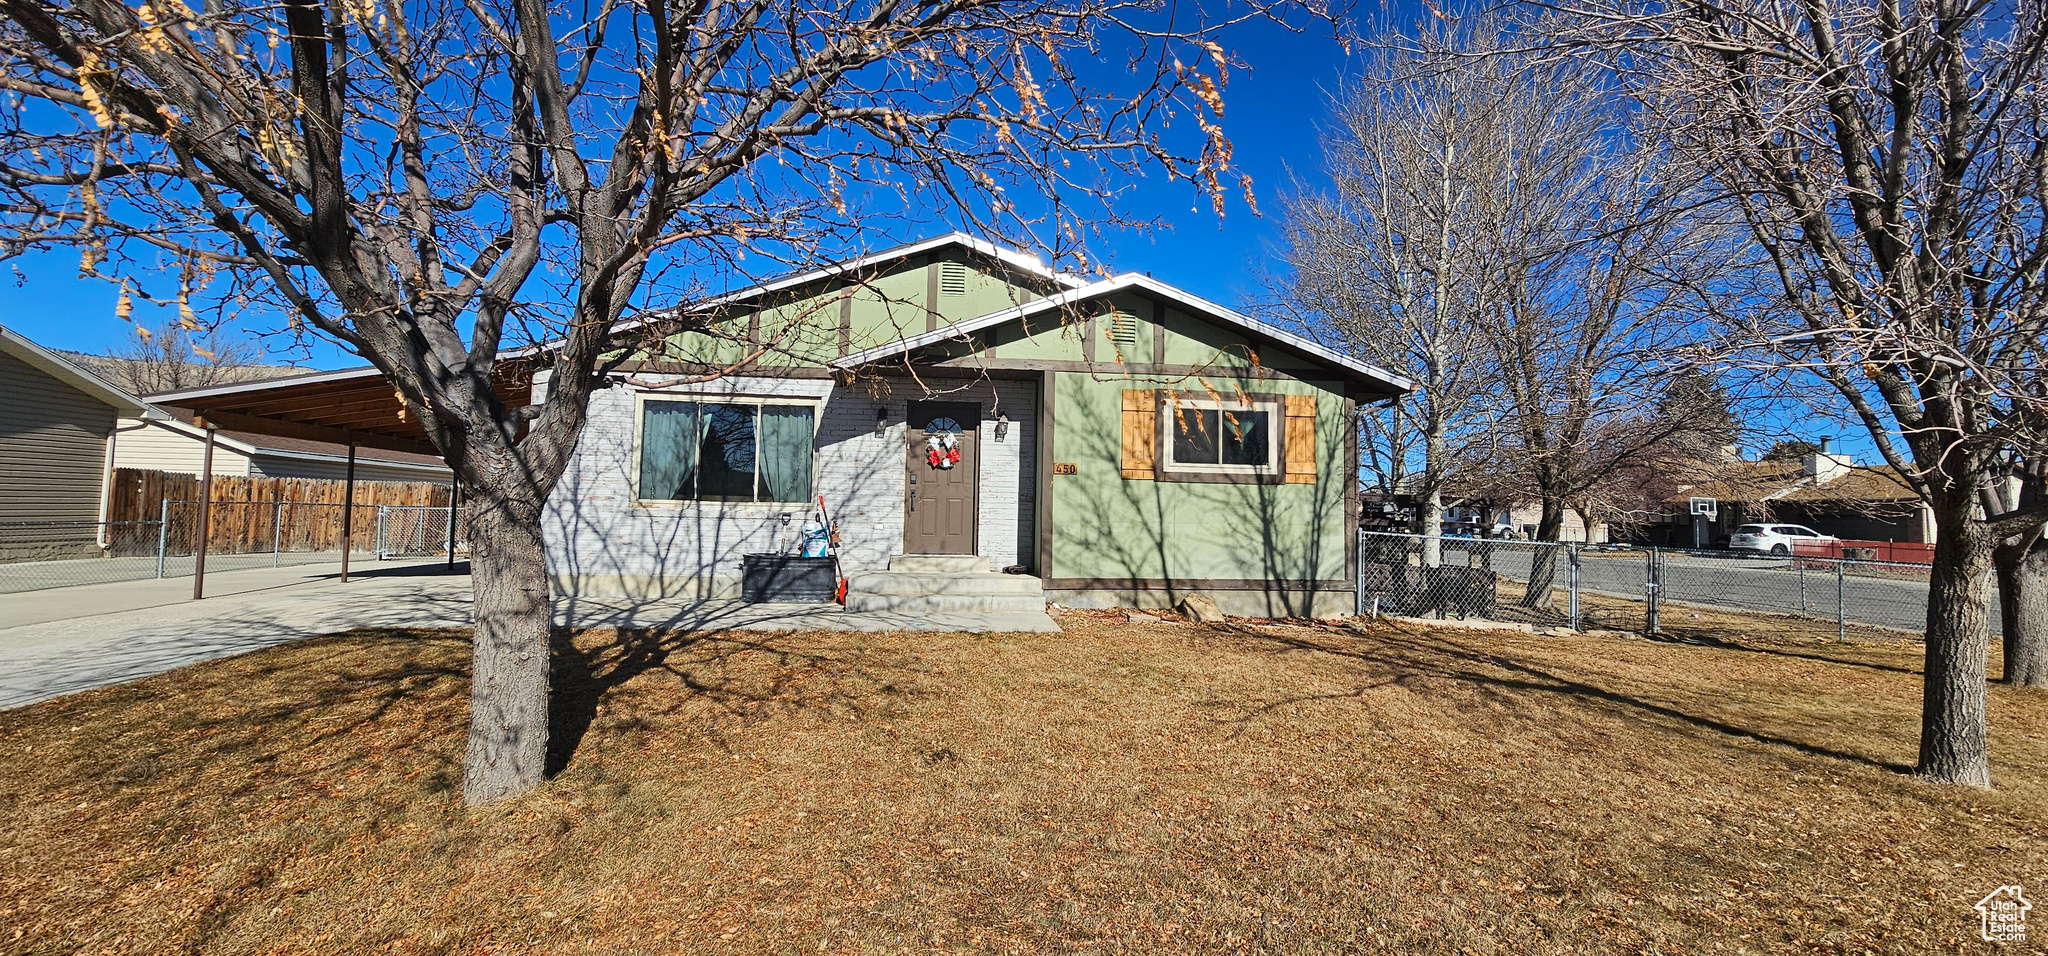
(54, 447)
(1121, 441)
(1824, 491)
(1523, 518)
(178, 446)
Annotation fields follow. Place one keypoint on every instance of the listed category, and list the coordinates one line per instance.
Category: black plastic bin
(787, 579)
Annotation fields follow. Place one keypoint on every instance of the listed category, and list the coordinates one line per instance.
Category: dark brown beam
(287, 393)
(320, 414)
(237, 421)
(384, 420)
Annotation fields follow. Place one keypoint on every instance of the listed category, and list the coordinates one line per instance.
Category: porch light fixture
(881, 419)
(1002, 426)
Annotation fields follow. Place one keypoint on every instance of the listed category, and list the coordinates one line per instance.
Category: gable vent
(1121, 327)
(952, 278)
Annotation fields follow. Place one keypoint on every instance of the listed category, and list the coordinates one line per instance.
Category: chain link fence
(50, 554)
(1631, 588)
(420, 531)
(35, 555)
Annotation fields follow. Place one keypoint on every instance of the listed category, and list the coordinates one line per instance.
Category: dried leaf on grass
(1121, 788)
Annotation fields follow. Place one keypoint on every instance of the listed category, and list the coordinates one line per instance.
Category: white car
(1774, 538)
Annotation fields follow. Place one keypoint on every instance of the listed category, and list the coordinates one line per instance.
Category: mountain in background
(143, 376)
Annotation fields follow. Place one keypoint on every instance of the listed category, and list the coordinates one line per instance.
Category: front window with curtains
(725, 451)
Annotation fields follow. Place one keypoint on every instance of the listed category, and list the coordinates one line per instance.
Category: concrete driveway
(65, 640)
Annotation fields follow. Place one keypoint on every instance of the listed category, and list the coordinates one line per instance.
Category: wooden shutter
(1300, 438)
(1141, 432)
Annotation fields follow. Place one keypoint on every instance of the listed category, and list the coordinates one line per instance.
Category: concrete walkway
(65, 640)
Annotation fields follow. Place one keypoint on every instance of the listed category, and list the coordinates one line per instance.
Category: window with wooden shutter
(1300, 454)
(1141, 432)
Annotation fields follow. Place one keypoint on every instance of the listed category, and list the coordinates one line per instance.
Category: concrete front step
(939, 563)
(943, 603)
(923, 582)
(937, 583)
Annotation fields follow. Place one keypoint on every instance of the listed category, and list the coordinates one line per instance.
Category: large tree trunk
(1432, 517)
(1952, 744)
(508, 699)
(2023, 605)
(1543, 564)
(1432, 522)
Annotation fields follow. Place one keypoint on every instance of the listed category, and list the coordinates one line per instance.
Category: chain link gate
(421, 531)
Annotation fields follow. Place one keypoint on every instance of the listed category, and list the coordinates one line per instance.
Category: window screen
(725, 451)
(1222, 436)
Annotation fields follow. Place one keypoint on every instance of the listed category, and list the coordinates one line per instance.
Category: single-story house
(1523, 517)
(1822, 490)
(176, 445)
(54, 449)
(964, 411)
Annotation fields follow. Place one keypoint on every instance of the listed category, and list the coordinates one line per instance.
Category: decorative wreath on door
(942, 444)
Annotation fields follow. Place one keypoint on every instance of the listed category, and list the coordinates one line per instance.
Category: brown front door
(938, 503)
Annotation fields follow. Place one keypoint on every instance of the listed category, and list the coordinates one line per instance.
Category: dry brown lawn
(1120, 788)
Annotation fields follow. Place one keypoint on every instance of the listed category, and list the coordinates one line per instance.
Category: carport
(357, 408)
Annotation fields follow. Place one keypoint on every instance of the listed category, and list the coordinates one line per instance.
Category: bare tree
(1694, 430)
(431, 184)
(1387, 261)
(1593, 261)
(168, 356)
(1888, 159)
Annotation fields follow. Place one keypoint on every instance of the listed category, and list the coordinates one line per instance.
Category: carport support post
(454, 496)
(276, 529)
(205, 517)
(348, 511)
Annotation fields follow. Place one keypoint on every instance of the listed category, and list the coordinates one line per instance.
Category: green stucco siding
(1106, 526)
(802, 326)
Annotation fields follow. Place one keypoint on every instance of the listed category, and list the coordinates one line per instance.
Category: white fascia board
(65, 370)
(266, 384)
(1128, 280)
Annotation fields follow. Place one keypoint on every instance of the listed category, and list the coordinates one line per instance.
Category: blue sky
(1275, 106)
(1272, 111)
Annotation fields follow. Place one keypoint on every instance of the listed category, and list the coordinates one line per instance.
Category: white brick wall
(601, 540)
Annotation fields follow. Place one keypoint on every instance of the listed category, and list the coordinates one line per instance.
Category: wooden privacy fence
(262, 514)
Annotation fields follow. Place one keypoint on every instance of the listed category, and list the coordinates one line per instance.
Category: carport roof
(355, 406)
